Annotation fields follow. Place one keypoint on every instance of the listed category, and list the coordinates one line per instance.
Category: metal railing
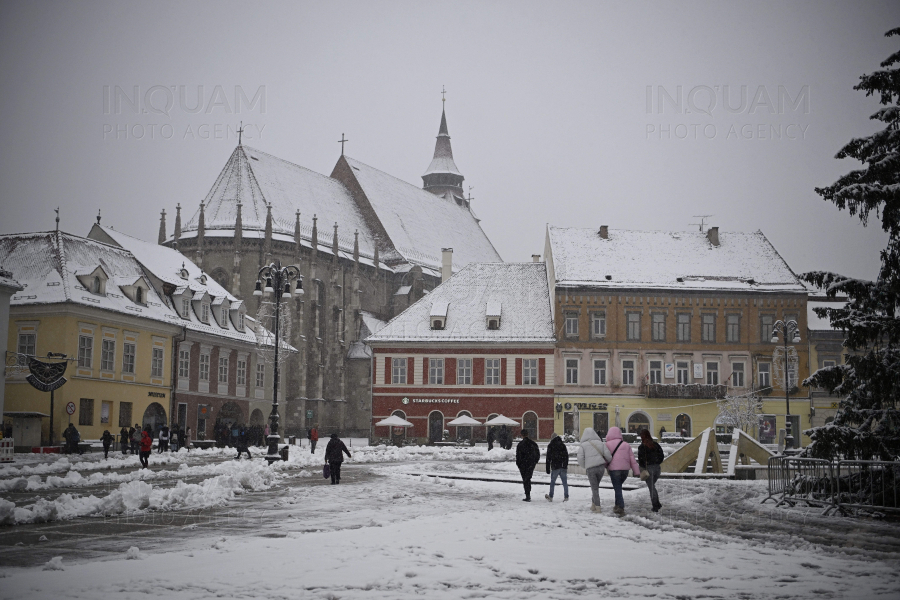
(869, 485)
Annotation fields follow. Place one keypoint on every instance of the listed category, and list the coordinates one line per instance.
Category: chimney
(604, 232)
(535, 258)
(712, 234)
(446, 263)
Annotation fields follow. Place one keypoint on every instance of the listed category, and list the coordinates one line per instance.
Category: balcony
(691, 390)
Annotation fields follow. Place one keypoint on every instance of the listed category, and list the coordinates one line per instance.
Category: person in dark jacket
(107, 439)
(242, 443)
(334, 457)
(490, 438)
(557, 465)
(124, 439)
(650, 457)
(527, 457)
(72, 438)
(135, 433)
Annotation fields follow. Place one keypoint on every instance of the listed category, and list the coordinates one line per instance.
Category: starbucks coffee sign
(430, 400)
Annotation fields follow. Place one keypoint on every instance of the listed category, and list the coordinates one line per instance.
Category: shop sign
(430, 400)
(156, 394)
(670, 371)
(591, 406)
(663, 416)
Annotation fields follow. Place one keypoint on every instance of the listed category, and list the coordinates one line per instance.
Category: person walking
(490, 438)
(174, 438)
(146, 447)
(186, 440)
(135, 438)
(622, 460)
(527, 457)
(107, 439)
(593, 456)
(313, 438)
(334, 456)
(650, 457)
(124, 439)
(557, 465)
(242, 443)
(163, 444)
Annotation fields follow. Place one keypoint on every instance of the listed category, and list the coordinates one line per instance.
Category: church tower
(442, 178)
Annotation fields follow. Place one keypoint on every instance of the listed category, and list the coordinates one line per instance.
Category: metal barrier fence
(7, 450)
(846, 486)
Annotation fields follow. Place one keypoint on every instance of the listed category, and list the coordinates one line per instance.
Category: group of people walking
(596, 456)
(503, 437)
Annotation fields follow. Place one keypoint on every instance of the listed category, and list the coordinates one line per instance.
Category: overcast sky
(560, 113)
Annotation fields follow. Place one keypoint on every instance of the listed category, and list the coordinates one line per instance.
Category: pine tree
(867, 425)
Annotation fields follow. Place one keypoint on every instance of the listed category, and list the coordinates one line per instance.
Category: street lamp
(278, 282)
(789, 330)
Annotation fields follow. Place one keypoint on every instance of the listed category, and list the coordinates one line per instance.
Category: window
(204, 367)
(186, 308)
(241, 321)
(733, 328)
(436, 371)
(712, 373)
(681, 370)
(95, 285)
(223, 369)
(765, 375)
(492, 371)
(241, 372)
(627, 372)
(659, 327)
(108, 355)
(708, 334)
(766, 326)
(571, 324)
(85, 351)
(224, 319)
(828, 363)
(128, 354)
(125, 414)
(493, 325)
(599, 371)
(260, 375)
(398, 370)
(204, 312)
(105, 408)
(156, 363)
(86, 411)
(463, 371)
(572, 371)
(598, 324)
(655, 371)
(634, 326)
(139, 295)
(530, 371)
(184, 363)
(737, 374)
(684, 327)
(27, 346)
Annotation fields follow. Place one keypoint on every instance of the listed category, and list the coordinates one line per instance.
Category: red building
(480, 344)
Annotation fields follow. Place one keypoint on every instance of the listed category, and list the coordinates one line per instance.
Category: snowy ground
(205, 526)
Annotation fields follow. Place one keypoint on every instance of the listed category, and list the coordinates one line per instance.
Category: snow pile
(54, 564)
(133, 553)
(385, 454)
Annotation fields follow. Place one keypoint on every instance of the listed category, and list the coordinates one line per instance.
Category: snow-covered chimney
(446, 263)
(536, 258)
(604, 232)
(712, 234)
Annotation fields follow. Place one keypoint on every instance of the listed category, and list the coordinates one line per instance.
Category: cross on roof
(443, 91)
(240, 131)
(342, 140)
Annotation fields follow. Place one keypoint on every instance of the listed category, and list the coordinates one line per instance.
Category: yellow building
(91, 303)
(655, 327)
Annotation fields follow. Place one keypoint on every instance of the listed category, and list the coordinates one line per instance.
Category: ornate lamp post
(277, 282)
(789, 330)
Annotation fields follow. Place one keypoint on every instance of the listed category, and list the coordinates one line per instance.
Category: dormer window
(439, 314)
(183, 273)
(224, 321)
(437, 324)
(492, 314)
(139, 295)
(493, 324)
(204, 312)
(241, 321)
(186, 308)
(202, 278)
(95, 286)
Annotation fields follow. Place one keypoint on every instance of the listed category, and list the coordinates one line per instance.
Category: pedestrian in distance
(313, 435)
(557, 465)
(124, 439)
(650, 457)
(146, 447)
(186, 442)
(622, 460)
(593, 456)
(334, 456)
(107, 439)
(527, 457)
(490, 438)
(242, 443)
(174, 438)
(135, 438)
(163, 444)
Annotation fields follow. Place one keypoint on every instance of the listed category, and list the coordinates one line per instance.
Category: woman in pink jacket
(622, 460)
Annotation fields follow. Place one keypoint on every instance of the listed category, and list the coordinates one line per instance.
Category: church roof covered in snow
(469, 296)
(443, 152)
(668, 259)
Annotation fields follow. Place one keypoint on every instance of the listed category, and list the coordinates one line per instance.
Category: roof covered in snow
(668, 259)
(521, 289)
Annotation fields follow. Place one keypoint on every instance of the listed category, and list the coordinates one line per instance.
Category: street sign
(70, 408)
(309, 414)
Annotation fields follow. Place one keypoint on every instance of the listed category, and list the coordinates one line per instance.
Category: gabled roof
(419, 223)
(658, 259)
(521, 288)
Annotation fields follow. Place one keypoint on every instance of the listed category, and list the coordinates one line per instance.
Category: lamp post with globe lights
(276, 280)
(789, 331)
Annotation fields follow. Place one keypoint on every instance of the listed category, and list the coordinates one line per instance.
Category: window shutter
(425, 371)
(502, 371)
(542, 370)
(410, 370)
(477, 371)
(387, 369)
(518, 371)
(449, 371)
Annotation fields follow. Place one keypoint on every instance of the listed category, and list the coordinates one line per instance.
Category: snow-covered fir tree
(867, 425)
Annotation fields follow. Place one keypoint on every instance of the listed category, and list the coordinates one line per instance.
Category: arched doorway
(231, 413)
(398, 434)
(530, 422)
(464, 432)
(435, 426)
(683, 425)
(155, 417)
(638, 421)
(257, 417)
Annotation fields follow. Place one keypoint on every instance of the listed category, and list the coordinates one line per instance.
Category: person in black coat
(124, 439)
(557, 465)
(490, 438)
(242, 443)
(650, 457)
(107, 439)
(334, 456)
(527, 457)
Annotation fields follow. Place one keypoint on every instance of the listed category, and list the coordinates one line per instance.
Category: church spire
(177, 222)
(442, 176)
